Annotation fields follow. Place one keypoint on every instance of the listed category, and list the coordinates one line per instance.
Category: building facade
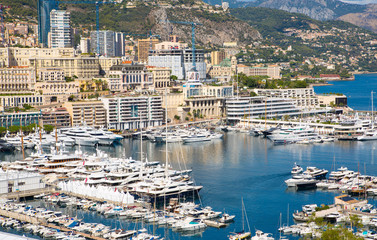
(160, 77)
(51, 75)
(132, 112)
(15, 181)
(58, 117)
(271, 71)
(106, 41)
(180, 61)
(15, 100)
(19, 118)
(129, 76)
(259, 107)
(60, 29)
(91, 113)
(17, 79)
(303, 97)
(57, 92)
(143, 48)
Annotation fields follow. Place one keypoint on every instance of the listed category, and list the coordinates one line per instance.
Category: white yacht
(297, 169)
(103, 138)
(259, 235)
(293, 135)
(82, 137)
(370, 134)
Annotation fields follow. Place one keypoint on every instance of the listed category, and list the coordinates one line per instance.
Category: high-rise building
(143, 47)
(106, 43)
(44, 9)
(217, 57)
(60, 29)
(85, 45)
(119, 44)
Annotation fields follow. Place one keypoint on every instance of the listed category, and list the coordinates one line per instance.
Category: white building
(303, 97)
(180, 61)
(130, 76)
(20, 181)
(85, 45)
(17, 79)
(51, 75)
(61, 32)
(131, 112)
(259, 107)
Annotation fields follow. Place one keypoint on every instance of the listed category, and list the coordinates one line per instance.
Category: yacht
(196, 138)
(316, 172)
(82, 137)
(293, 135)
(103, 138)
(370, 134)
(259, 235)
(301, 182)
(297, 169)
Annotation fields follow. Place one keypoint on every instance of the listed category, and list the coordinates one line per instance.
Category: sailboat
(242, 234)
(370, 134)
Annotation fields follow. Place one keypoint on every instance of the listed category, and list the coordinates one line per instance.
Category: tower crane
(193, 25)
(97, 3)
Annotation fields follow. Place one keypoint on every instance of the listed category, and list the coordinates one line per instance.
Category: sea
(242, 167)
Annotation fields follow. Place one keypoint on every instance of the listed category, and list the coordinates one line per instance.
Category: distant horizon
(360, 2)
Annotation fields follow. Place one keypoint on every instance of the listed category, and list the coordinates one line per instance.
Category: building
(129, 76)
(14, 100)
(205, 106)
(224, 71)
(179, 61)
(217, 57)
(91, 113)
(333, 100)
(143, 48)
(349, 203)
(271, 71)
(80, 66)
(20, 181)
(85, 45)
(132, 112)
(16, 56)
(106, 63)
(160, 77)
(170, 45)
(120, 48)
(17, 79)
(60, 29)
(57, 92)
(106, 41)
(15, 119)
(259, 107)
(303, 97)
(58, 117)
(51, 75)
(44, 9)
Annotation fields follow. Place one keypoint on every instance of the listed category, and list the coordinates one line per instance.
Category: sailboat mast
(243, 217)
(372, 109)
(166, 134)
(141, 151)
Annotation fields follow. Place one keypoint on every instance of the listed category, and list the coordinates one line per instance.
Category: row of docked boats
(51, 223)
(307, 179)
(173, 135)
(83, 136)
(181, 217)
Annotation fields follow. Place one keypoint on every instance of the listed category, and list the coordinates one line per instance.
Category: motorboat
(370, 134)
(302, 182)
(316, 172)
(82, 137)
(196, 138)
(297, 169)
(259, 235)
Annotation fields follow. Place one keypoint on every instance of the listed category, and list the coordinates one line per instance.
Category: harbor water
(252, 168)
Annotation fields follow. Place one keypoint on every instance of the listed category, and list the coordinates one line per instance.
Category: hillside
(366, 19)
(141, 17)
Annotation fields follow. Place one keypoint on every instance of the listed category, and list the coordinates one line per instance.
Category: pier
(42, 222)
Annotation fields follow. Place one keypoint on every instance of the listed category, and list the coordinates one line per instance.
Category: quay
(42, 222)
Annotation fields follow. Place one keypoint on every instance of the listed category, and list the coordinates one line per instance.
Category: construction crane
(193, 25)
(2, 7)
(97, 3)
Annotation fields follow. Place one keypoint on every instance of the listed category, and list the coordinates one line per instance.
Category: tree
(176, 117)
(173, 78)
(48, 128)
(13, 129)
(3, 130)
(27, 106)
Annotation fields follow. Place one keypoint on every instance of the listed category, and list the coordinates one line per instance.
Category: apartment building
(58, 117)
(129, 76)
(259, 107)
(91, 113)
(15, 100)
(271, 71)
(57, 92)
(302, 97)
(160, 77)
(180, 61)
(60, 34)
(132, 112)
(143, 48)
(217, 57)
(51, 75)
(17, 79)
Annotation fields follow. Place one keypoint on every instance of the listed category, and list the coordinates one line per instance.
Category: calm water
(242, 166)
(357, 91)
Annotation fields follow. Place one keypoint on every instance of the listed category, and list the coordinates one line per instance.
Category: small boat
(259, 235)
(226, 218)
(242, 234)
(297, 169)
